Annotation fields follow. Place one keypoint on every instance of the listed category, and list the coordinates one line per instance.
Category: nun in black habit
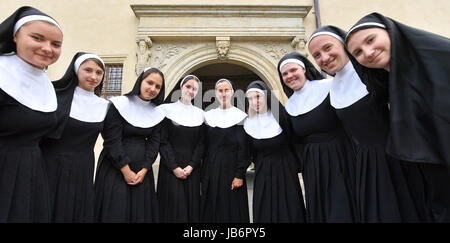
(124, 184)
(419, 118)
(381, 188)
(328, 157)
(27, 113)
(224, 196)
(181, 152)
(277, 194)
(69, 150)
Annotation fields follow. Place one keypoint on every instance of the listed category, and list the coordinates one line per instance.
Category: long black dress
(277, 195)
(419, 114)
(226, 157)
(23, 181)
(179, 199)
(381, 191)
(69, 149)
(116, 201)
(328, 166)
(70, 163)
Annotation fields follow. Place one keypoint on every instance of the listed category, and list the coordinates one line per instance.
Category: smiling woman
(39, 43)
(355, 104)
(371, 47)
(69, 150)
(124, 186)
(181, 150)
(277, 196)
(224, 188)
(418, 87)
(327, 153)
(90, 74)
(150, 86)
(29, 42)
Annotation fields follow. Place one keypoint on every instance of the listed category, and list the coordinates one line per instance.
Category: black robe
(24, 192)
(328, 166)
(179, 199)
(69, 156)
(226, 157)
(381, 189)
(116, 201)
(277, 194)
(70, 163)
(418, 93)
(419, 117)
(24, 188)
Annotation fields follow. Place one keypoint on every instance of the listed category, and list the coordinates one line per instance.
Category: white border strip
(30, 18)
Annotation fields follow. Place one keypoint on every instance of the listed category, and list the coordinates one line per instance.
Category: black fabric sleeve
(165, 149)
(197, 156)
(243, 153)
(2, 97)
(295, 143)
(152, 146)
(251, 148)
(112, 135)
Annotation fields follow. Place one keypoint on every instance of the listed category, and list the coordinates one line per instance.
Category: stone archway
(238, 75)
(195, 56)
(186, 38)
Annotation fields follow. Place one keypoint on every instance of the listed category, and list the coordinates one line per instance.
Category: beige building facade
(238, 39)
(242, 40)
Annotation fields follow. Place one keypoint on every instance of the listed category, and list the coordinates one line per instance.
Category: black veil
(137, 86)
(419, 91)
(311, 72)
(7, 45)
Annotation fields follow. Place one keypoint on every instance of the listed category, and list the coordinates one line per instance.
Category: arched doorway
(209, 74)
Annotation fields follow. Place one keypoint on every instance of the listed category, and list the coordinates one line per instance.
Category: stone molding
(187, 37)
(113, 59)
(187, 57)
(293, 11)
(220, 20)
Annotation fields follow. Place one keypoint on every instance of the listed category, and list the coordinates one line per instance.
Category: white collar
(88, 107)
(28, 85)
(224, 118)
(138, 112)
(347, 87)
(185, 115)
(262, 126)
(309, 97)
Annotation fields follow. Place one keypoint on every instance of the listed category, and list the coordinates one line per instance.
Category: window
(112, 84)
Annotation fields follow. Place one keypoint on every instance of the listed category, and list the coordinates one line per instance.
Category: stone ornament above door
(179, 39)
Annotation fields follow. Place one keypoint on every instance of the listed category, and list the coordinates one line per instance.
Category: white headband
(224, 80)
(83, 58)
(291, 60)
(365, 24)
(148, 68)
(190, 76)
(326, 33)
(254, 89)
(30, 18)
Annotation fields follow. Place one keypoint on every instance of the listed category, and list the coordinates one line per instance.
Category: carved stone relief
(299, 45)
(164, 52)
(144, 54)
(274, 49)
(222, 47)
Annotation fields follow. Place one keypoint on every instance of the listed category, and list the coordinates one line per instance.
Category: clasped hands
(132, 178)
(183, 173)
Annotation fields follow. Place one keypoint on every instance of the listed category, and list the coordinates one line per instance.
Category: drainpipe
(318, 24)
(317, 10)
